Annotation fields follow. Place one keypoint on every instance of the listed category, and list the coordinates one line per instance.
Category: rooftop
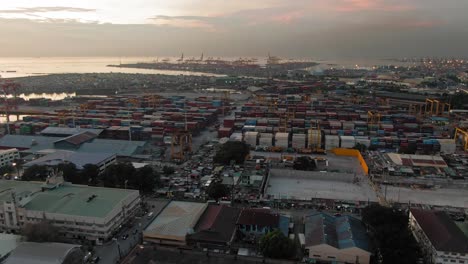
(78, 139)
(339, 232)
(119, 147)
(40, 253)
(8, 242)
(61, 131)
(175, 221)
(20, 187)
(71, 199)
(217, 224)
(259, 217)
(33, 143)
(78, 158)
(443, 233)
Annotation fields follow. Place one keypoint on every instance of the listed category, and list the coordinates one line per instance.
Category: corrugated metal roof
(176, 220)
(40, 253)
(119, 147)
(339, 232)
(78, 158)
(69, 131)
(33, 143)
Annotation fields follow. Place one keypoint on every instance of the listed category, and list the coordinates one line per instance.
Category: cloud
(371, 5)
(46, 9)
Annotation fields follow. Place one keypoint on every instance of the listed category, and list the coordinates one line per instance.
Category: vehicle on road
(96, 259)
(124, 237)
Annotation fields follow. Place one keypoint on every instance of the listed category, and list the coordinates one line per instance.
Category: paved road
(109, 253)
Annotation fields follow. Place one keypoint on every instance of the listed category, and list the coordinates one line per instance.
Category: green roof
(73, 200)
(18, 186)
(67, 199)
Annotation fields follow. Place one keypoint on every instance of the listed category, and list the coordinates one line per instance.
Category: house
(8, 156)
(333, 239)
(441, 240)
(216, 227)
(255, 223)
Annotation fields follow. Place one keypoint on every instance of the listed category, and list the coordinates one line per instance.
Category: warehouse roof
(41, 253)
(8, 242)
(259, 217)
(339, 232)
(176, 221)
(71, 199)
(32, 143)
(443, 233)
(78, 139)
(68, 131)
(119, 147)
(19, 187)
(78, 158)
(217, 224)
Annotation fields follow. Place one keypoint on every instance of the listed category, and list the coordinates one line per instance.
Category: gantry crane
(9, 88)
(459, 131)
(285, 118)
(373, 118)
(436, 107)
(181, 145)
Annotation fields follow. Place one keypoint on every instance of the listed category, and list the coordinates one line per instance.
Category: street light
(17, 170)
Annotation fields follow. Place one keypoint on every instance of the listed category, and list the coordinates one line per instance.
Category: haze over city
(300, 28)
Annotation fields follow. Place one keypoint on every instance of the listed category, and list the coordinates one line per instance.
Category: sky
(319, 29)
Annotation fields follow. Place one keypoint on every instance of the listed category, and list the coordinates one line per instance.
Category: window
(331, 257)
(318, 256)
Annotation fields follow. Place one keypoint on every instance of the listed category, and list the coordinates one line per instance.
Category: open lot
(302, 185)
(438, 197)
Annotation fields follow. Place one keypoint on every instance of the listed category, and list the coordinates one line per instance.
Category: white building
(8, 156)
(439, 237)
(81, 212)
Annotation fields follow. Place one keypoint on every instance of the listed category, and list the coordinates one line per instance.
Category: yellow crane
(459, 131)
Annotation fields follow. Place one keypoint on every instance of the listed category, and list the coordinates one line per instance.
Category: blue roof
(339, 232)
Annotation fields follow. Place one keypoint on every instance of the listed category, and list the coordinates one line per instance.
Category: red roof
(443, 233)
(259, 217)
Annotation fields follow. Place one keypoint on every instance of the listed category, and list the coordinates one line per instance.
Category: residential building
(216, 227)
(254, 223)
(80, 212)
(174, 223)
(441, 240)
(333, 239)
(8, 156)
(42, 253)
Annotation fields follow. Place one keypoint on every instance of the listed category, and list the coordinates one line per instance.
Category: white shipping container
(347, 141)
(266, 139)
(447, 146)
(251, 138)
(331, 142)
(299, 141)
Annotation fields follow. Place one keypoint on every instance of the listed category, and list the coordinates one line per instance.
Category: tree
(144, 179)
(304, 163)
(35, 173)
(168, 170)
(276, 245)
(361, 147)
(232, 150)
(41, 232)
(389, 227)
(118, 175)
(217, 190)
(89, 174)
(70, 172)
